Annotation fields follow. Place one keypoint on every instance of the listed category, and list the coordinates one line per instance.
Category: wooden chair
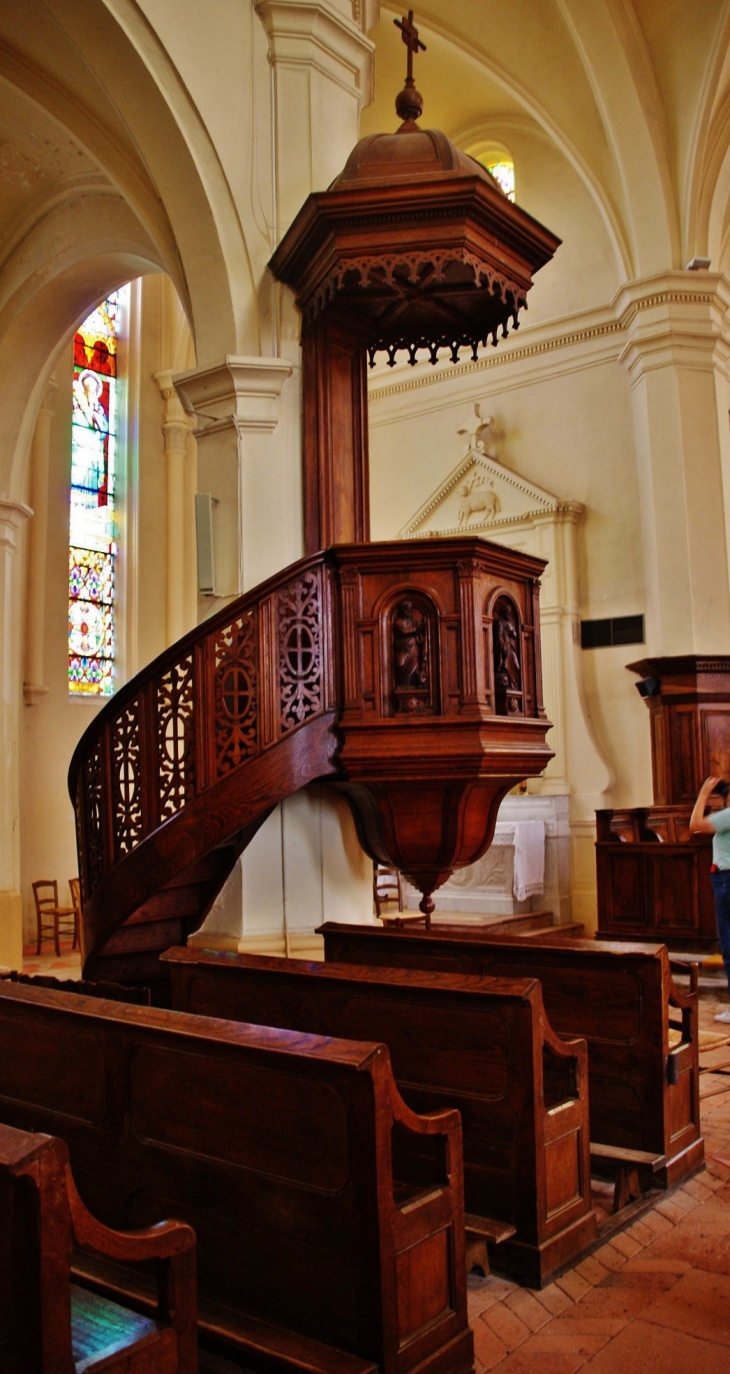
(386, 887)
(59, 917)
(49, 1325)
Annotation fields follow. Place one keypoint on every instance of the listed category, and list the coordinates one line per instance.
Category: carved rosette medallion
(236, 673)
(300, 650)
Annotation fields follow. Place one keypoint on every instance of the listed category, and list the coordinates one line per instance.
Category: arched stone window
(498, 161)
(96, 433)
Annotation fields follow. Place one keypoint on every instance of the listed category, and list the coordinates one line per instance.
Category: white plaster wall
(572, 433)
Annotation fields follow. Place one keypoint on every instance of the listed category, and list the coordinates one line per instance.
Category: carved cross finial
(409, 104)
(409, 34)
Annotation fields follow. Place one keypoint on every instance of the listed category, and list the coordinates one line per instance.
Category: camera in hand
(721, 789)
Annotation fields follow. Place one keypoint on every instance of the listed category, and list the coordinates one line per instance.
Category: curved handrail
(231, 689)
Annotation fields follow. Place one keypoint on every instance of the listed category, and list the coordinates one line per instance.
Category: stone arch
(123, 99)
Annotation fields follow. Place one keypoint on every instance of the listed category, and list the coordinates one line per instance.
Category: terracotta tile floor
(655, 1298)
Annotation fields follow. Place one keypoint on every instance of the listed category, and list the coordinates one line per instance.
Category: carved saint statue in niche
(409, 657)
(506, 658)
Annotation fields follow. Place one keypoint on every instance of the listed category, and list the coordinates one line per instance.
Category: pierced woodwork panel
(507, 657)
(236, 693)
(300, 650)
(175, 739)
(126, 780)
(92, 851)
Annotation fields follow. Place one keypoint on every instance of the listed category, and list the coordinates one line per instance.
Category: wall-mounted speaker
(204, 504)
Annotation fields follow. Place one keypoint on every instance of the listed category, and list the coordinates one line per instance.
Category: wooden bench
(644, 1093)
(478, 1044)
(49, 1325)
(277, 1148)
(115, 992)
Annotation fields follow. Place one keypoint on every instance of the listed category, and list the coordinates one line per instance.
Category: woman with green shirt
(717, 824)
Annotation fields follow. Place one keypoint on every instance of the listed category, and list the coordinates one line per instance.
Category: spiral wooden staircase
(379, 668)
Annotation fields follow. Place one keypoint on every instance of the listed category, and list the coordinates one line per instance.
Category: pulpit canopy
(414, 246)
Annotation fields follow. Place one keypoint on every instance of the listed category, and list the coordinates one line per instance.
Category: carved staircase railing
(405, 674)
(163, 754)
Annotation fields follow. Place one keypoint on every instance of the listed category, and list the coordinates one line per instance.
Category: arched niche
(507, 655)
(409, 639)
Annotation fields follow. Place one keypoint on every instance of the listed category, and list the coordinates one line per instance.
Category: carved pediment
(480, 494)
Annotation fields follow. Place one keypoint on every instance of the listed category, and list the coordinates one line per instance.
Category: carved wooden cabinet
(689, 715)
(653, 875)
(654, 878)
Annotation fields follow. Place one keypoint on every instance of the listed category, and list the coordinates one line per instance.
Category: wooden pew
(49, 1325)
(478, 1044)
(313, 1254)
(644, 1093)
(116, 992)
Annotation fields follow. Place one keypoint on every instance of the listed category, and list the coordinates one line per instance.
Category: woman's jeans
(721, 888)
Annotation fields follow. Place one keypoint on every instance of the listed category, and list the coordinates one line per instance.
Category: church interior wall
(169, 178)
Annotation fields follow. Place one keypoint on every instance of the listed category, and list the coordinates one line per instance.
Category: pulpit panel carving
(411, 640)
(507, 658)
(175, 737)
(93, 847)
(236, 685)
(126, 791)
(300, 650)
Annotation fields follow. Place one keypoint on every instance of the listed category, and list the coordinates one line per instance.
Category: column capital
(324, 34)
(12, 515)
(239, 392)
(677, 319)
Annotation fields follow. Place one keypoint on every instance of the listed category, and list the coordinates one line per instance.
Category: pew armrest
(171, 1243)
(163, 1241)
(687, 1003)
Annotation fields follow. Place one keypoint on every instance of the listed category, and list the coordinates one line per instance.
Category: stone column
(176, 429)
(322, 66)
(305, 860)
(34, 685)
(236, 405)
(12, 515)
(676, 357)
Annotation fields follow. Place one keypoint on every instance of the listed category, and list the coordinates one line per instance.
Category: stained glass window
(92, 541)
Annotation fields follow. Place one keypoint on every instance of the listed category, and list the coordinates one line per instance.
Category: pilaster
(34, 685)
(176, 429)
(236, 405)
(12, 516)
(676, 357)
(322, 66)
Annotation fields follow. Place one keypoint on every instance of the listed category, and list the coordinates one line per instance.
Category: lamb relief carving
(477, 497)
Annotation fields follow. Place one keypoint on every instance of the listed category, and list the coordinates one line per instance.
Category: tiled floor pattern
(655, 1299)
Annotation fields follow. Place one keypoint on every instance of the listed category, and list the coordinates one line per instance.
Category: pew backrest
(622, 999)
(480, 1044)
(49, 1325)
(275, 1146)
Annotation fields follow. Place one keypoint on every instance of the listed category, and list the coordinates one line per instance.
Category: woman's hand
(697, 823)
